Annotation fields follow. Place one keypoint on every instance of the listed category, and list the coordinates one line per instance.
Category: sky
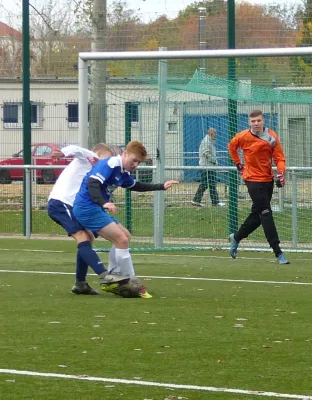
(149, 8)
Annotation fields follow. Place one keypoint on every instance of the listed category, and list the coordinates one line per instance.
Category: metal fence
(23, 211)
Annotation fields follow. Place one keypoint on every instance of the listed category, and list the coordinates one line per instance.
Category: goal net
(168, 103)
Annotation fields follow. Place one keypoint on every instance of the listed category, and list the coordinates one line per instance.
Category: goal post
(204, 87)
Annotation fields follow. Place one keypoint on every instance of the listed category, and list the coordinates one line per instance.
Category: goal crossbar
(180, 54)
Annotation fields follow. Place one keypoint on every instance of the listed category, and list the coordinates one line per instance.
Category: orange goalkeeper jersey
(258, 152)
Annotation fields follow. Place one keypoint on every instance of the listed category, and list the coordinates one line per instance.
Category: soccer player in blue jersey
(60, 206)
(93, 201)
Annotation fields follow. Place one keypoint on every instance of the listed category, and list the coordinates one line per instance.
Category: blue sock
(81, 269)
(89, 256)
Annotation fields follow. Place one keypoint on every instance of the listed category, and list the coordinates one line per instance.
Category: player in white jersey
(60, 205)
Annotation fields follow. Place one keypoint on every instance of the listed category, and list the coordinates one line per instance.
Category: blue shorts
(93, 218)
(63, 215)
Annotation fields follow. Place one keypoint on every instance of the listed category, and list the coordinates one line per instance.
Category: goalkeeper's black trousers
(261, 214)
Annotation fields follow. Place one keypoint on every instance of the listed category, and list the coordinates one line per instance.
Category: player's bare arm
(151, 187)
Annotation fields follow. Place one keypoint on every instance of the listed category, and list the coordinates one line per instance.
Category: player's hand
(280, 180)
(93, 160)
(57, 154)
(168, 184)
(110, 207)
(240, 168)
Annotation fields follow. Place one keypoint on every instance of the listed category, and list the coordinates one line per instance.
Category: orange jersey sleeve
(258, 152)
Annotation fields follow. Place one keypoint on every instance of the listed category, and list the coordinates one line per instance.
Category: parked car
(41, 155)
(140, 174)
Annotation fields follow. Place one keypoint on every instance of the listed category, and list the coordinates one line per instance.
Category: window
(134, 115)
(13, 115)
(10, 113)
(172, 127)
(43, 151)
(134, 112)
(33, 113)
(36, 115)
(73, 114)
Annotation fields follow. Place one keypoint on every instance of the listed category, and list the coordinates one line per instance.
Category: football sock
(124, 262)
(112, 264)
(81, 269)
(90, 257)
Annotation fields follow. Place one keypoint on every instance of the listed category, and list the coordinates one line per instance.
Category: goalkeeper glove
(280, 180)
(240, 168)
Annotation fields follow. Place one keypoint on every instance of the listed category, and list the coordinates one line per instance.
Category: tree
(54, 44)
(211, 6)
(305, 35)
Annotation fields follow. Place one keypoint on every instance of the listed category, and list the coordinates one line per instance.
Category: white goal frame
(162, 55)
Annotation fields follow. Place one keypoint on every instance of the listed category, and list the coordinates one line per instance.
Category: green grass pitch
(213, 322)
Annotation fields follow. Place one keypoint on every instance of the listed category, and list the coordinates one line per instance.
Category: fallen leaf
(267, 346)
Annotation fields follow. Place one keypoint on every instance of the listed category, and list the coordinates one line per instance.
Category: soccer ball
(130, 288)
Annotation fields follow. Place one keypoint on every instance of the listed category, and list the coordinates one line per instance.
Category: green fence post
(26, 113)
(232, 115)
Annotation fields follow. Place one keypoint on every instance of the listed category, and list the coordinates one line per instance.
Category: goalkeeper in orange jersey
(259, 145)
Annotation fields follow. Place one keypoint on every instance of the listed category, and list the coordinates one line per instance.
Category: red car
(41, 155)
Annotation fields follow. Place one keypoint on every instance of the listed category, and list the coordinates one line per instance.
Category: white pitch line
(218, 257)
(167, 277)
(168, 255)
(33, 250)
(155, 384)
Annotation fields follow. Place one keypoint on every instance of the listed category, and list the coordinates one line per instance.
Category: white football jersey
(68, 183)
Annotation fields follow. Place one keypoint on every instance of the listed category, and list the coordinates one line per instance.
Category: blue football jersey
(110, 174)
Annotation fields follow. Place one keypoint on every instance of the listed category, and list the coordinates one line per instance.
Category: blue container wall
(195, 128)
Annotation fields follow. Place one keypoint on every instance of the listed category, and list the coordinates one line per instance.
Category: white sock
(112, 264)
(124, 262)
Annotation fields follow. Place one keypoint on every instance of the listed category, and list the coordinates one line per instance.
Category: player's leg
(262, 201)
(112, 264)
(63, 214)
(120, 237)
(120, 240)
(251, 223)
